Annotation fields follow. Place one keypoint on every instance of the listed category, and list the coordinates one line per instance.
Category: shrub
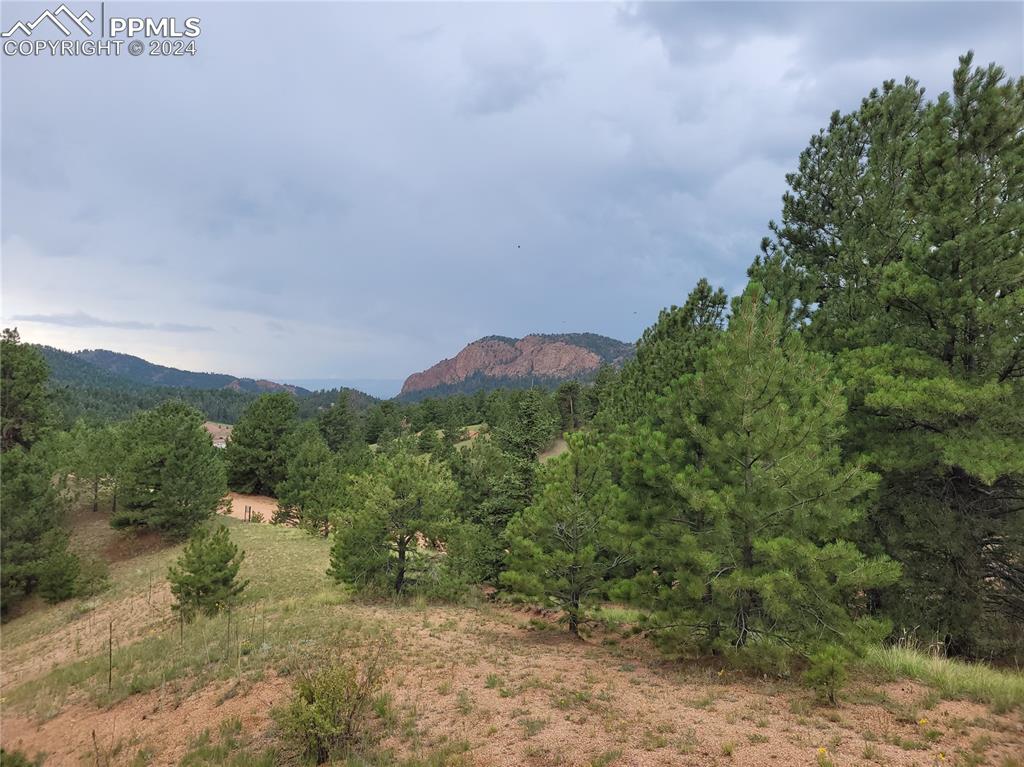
(19, 759)
(58, 573)
(204, 578)
(93, 577)
(827, 672)
(332, 705)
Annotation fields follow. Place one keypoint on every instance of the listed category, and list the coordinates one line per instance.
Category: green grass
(1002, 689)
(289, 607)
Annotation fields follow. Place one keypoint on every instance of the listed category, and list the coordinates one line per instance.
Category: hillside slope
(119, 385)
(145, 372)
(499, 361)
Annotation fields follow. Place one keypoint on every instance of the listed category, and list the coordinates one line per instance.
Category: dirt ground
(558, 447)
(263, 504)
(220, 433)
(521, 696)
(508, 683)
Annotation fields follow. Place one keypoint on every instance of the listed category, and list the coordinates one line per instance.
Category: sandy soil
(519, 696)
(218, 431)
(163, 722)
(558, 447)
(263, 504)
(509, 683)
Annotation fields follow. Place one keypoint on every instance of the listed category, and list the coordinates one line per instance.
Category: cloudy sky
(351, 191)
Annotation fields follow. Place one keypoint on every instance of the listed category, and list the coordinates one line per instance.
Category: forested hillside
(105, 393)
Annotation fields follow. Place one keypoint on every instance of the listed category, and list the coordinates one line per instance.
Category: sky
(354, 191)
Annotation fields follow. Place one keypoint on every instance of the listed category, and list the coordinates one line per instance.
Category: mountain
(104, 386)
(498, 361)
(139, 370)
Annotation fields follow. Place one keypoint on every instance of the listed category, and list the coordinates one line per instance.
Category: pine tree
(667, 350)
(26, 411)
(568, 395)
(338, 424)
(33, 543)
(900, 244)
(739, 501)
(528, 426)
(492, 490)
(88, 460)
(256, 460)
(309, 458)
(561, 547)
(404, 500)
(205, 577)
(173, 477)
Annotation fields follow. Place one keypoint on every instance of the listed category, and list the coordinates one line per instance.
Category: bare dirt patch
(162, 723)
(510, 684)
(220, 433)
(557, 447)
(261, 504)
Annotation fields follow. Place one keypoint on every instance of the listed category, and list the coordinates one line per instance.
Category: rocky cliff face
(544, 357)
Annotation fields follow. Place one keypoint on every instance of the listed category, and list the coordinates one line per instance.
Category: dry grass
(480, 685)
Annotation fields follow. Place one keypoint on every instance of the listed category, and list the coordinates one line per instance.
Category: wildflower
(822, 751)
(922, 721)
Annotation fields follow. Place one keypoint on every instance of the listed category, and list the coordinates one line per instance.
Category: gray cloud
(361, 199)
(83, 320)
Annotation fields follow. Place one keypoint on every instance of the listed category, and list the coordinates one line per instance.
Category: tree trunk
(400, 576)
(574, 615)
(95, 494)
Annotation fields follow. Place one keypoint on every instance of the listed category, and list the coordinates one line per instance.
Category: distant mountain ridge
(500, 361)
(107, 386)
(145, 372)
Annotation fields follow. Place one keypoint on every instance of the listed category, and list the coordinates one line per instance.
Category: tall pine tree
(173, 478)
(255, 455)
(901, 243)
(739, 503)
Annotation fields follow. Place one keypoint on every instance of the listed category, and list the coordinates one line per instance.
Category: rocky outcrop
(544, 357)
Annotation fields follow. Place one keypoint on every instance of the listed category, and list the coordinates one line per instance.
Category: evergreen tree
(32, 541)
(428, 440)
(338, 424)
(31, 533)
(173, 477)
(739, 501)
(26, 410)
(900, 243)
(527, 427)
(667, 350)
(492, 489)
(404, 501)
(568, 395)
(382, 423)
(309, 458)
(561, 547)
(89, 460)
(255, 459)
(205, 577)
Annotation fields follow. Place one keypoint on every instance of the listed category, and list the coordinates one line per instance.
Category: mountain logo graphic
(26, 28)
